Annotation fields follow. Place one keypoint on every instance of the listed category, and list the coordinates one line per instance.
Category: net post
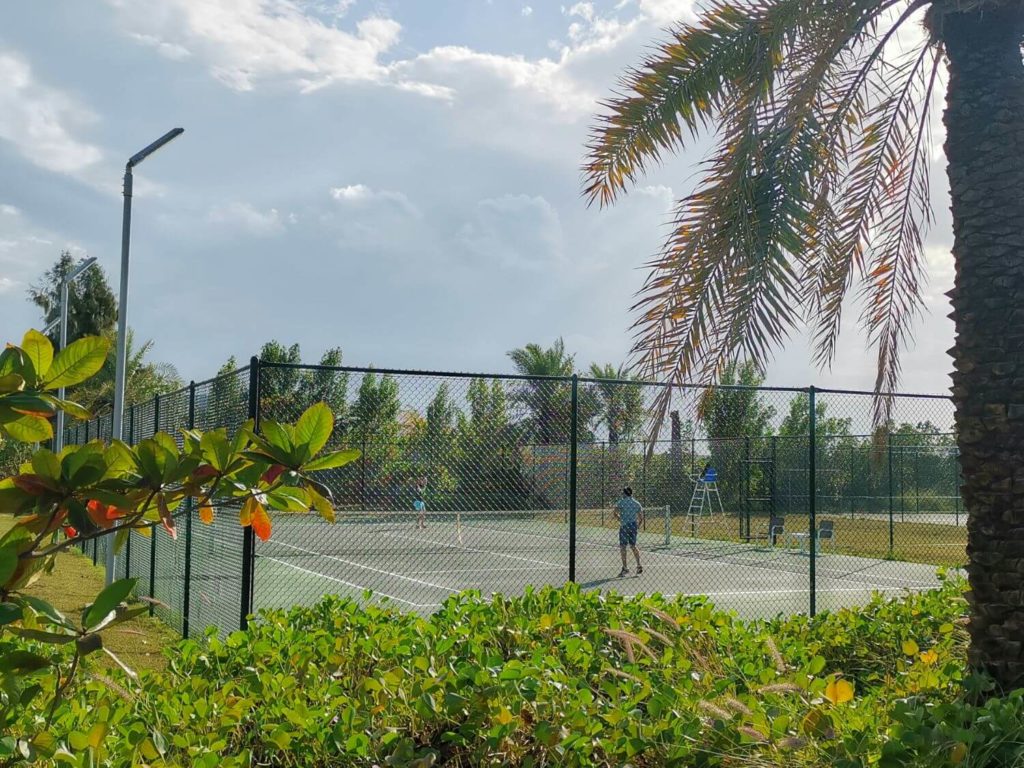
(573, 446)
(812, 491)
(248, 541)
(187, 585)
(668, 524)
(152, 530)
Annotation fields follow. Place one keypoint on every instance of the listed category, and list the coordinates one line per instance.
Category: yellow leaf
(504, 717)
(245, 515)
(929, 657)
(910, 648)
(148, 750)
(839, 691)
(546, 621)
(206, 514)
(958, 753)
(96, 735)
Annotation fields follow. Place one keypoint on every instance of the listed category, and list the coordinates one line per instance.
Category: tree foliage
(92, 306)
(93, 490)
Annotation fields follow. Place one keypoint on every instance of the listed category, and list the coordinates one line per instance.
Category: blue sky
(400, 179)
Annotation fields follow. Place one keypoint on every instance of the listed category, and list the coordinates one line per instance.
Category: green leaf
(9, 612)
(11, 382)
(8, 561)
(288, 499)
(108, 600)
(29, 429)
(276, 437)
(314, 427)
(70, 407)
(77, 362)
(42, 636)
(332, 460)
(43, 608)
(22, 662)
(215, 449)
(39, 350)
(46, 464)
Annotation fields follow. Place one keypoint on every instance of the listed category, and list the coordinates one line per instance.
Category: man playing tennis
(630, 515)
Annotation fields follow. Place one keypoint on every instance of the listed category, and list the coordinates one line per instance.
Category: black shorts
(627, 535)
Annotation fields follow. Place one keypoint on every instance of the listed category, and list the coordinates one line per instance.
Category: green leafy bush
(555, 677)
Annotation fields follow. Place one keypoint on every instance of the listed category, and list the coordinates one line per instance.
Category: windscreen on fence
(768, 500)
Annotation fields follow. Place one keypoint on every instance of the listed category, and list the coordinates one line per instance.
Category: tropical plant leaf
(78, 361)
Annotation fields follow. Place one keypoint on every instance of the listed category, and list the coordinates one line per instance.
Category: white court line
(769, 592)
(350, 584)
(490, 570)
(367, 568)
(481, 551)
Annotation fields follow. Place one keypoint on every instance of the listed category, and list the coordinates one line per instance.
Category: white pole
(58, 437)
(122, 306)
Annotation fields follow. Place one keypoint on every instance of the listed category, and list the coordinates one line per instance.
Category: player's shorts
(627, 535)
(419, 506)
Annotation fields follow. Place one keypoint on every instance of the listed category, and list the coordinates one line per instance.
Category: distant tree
(289, 390)
(489, 475)
(375, 431)
(549, 401)
(144, 379)
(228, 402)
(733, 420)
(92, 306)
(621, 404)
(797, 422)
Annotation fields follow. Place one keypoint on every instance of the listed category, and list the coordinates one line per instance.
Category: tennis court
(416, 568)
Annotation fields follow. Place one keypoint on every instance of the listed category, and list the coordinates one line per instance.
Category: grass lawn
(74, 583)
(914, 542)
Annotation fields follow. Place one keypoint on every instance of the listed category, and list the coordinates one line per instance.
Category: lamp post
(62, 323)
(122, 304)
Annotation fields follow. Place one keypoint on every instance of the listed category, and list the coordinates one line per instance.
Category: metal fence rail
(809, 506)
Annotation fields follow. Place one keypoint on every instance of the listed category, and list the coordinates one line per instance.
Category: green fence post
(604, 462)
(153, 528)
(888, 444)
(956, 486)
(187, 586)
(812, 491)
(573, 440)
(248, 540)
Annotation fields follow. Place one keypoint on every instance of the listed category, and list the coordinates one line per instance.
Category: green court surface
(416, 568)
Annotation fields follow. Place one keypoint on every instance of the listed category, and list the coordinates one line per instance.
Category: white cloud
(663, 11)
(7, 285)
(168, 50)
(39, 120)
(246, 217)
(527, 11)
(583, 10)
(360, 194)
(8, 210)
(516, 231)
(245, 42)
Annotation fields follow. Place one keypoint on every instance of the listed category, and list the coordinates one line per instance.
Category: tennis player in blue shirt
(630, 515)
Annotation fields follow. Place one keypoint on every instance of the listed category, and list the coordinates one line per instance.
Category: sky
(399, 179)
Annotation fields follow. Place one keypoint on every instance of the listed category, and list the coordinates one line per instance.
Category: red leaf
(261, 522)
(273, 473)
(206, 514)
(100, 513)
(33, 485)
(70, 531)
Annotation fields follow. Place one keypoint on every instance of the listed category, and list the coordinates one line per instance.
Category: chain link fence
(769, 500)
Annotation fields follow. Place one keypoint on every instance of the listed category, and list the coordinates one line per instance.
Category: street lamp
(122, 304)
(62, 322)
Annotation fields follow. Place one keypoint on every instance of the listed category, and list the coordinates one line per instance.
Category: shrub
(556, 677)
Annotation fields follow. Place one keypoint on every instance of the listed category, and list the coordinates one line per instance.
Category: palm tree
(547, 400)
(143, 380)
(621, 403)
(819, 181)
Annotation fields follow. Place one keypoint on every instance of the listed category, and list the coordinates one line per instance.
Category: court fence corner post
(668, 524)
(573, 446)
(186, 595)
(248, 539)
(812, 498)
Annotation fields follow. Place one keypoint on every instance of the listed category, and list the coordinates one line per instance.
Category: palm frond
(821, 151)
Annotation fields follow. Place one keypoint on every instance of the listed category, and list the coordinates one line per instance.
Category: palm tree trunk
(984, 120)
